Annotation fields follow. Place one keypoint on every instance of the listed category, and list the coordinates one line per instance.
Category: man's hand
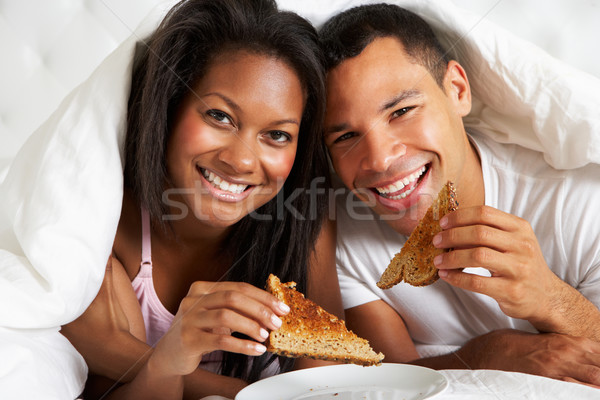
(563, 357)
(520, 281)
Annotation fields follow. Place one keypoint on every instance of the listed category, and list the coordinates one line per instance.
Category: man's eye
(400, 112)
(219, 116)
(343, 137)
(280, 136)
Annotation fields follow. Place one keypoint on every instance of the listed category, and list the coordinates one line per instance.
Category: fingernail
(260, 348)
(284, 307)
(437, 239)
(443, 273)
(276, 320)
(438, 259)
(263, 333)
(444, 222)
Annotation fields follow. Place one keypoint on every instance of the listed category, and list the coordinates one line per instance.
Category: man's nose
(381, 149)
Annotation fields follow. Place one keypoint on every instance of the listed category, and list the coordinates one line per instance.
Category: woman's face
(234, 139)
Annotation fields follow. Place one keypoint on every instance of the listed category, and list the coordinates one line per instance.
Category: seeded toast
(414, 263)
(310, 331)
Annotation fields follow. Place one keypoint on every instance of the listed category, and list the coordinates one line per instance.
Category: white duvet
(60, 201)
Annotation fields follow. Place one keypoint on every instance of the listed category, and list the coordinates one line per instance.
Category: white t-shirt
(562, 206)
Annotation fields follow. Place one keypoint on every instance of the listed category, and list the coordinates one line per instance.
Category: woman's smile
(234, 138)
(222, 188)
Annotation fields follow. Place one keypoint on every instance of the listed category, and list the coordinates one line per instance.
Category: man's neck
(472, 188)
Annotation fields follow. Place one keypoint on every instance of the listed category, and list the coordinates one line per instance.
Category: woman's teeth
(401, 184)
(222, 184)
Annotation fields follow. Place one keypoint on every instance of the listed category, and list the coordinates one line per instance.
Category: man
(395, 135)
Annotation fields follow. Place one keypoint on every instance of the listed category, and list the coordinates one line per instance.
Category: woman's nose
(240, 154)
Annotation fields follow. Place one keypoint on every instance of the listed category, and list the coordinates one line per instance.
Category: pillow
(62, 198)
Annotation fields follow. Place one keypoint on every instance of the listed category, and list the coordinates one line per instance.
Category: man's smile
(402, 187)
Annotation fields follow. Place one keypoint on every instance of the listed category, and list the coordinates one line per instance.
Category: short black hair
(347, 34)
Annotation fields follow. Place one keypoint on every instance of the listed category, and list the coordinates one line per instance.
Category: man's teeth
(401, 184)
(223, 184)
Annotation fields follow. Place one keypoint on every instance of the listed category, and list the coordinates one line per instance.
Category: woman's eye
(219, 116)
(343, 137)
(279, 136)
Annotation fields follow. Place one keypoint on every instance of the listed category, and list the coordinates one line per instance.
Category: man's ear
(457, 87)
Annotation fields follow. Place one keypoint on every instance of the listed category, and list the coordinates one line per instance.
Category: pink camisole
(157, 319)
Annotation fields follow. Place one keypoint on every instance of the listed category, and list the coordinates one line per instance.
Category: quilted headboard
(48, 52)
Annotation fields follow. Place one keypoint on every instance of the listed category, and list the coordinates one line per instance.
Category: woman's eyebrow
(236, 107)
(226, 99)
(285, 121)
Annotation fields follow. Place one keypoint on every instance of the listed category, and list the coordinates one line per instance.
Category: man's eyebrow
(335, 129)
(407, 94)
(404, 95)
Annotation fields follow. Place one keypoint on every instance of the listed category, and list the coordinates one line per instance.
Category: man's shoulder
(527, 162)
(510, 157)
(520, 181)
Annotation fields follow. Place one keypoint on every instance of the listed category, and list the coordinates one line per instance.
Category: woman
(223, 142)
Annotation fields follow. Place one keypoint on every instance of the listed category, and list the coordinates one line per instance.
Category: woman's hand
(206, 318)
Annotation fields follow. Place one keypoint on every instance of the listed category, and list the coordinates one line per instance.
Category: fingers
(471, 282)
(235, 345)
(488, 238)
(483, 215)
(259, 295)
(572, 380)
(212, 321)
(206, 330)
(500, 264)
(474, 236)
(234, 302)
(212, 311)
(583, 373)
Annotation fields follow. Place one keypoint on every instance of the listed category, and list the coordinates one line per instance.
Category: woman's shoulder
(127, 246)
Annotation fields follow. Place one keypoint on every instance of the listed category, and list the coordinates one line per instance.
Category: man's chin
(404, 220)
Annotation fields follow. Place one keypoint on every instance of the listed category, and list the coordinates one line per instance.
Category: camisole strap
(146, 238)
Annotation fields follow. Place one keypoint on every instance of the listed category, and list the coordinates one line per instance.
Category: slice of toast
(414, 263)
(310, 331)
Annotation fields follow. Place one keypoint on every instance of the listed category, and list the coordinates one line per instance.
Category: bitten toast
(414, 263)
(310, 331)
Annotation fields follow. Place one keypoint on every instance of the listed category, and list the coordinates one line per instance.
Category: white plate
(345, 382)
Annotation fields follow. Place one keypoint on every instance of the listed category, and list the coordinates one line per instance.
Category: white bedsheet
(61, 198)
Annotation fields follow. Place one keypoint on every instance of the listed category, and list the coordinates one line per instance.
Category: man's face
(394, 136)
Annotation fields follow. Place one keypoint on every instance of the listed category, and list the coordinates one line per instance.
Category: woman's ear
(457, 88)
